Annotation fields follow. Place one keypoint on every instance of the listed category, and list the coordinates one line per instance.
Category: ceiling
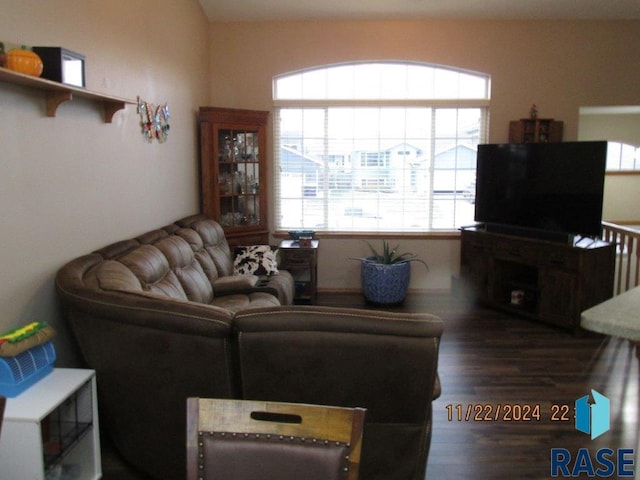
(264, 10)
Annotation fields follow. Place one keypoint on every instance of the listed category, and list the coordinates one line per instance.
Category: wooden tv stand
(552, 282)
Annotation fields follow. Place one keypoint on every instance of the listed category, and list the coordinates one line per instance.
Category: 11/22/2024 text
(509, 412)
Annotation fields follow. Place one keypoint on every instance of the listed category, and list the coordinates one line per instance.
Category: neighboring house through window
(377, 147)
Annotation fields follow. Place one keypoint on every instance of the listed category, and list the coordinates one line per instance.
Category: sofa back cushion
(167, 268)
(187, 269)
(382, 361)
(294, 353)
(151, 268)
(213, 241)
(201, 255)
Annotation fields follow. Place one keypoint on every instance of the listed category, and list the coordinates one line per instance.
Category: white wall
(72, 184)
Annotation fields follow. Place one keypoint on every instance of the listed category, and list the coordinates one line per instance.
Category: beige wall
(72, 183)
(560, 66)
(621, 190)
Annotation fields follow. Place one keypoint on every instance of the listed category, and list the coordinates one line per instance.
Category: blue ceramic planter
(385, 284)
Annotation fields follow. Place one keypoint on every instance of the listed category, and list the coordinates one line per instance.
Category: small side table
(51, 429)
(302, 263)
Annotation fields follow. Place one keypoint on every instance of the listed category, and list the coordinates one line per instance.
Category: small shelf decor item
(23, 60)
(154, 121)
(534, 129)
(26, 356)
(62, 65)
(385, 276)
(297, 235)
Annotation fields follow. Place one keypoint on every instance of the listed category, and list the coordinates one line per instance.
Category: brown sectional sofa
(159, 323)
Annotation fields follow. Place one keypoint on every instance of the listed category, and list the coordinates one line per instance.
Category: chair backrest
(245, 440)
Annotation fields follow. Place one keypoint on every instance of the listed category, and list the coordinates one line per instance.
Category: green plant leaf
(389, 256)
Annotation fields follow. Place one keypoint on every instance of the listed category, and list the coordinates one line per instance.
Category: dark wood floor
(490, 358)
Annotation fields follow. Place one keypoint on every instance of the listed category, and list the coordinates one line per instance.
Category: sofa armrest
(437, 388)
(280, 286)
(231, 284)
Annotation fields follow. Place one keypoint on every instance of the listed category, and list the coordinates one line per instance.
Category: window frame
(620, 170)
(482, 104)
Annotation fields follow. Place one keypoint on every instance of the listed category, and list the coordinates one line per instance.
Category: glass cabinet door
(238, 177)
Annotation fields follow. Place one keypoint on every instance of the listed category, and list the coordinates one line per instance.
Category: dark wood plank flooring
(491, 358)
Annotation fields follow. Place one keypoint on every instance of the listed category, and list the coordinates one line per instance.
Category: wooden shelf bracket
(54, 98)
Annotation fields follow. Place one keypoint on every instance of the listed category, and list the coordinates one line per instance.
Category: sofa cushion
(255, 260)
(186, 268)
(151, 268)
(213, 241)
(241, 302)
(113, 275)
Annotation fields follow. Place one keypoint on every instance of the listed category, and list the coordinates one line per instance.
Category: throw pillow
(255, 260)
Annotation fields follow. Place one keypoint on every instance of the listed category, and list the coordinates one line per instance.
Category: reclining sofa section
(161, 318)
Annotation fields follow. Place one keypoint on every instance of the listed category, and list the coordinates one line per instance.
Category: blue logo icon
(593, 418)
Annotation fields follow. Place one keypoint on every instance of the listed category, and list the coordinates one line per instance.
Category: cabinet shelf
(57, 93)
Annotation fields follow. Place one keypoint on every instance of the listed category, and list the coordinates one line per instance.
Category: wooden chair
(246, 440)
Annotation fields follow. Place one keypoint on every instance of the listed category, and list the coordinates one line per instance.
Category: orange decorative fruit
(25, 61)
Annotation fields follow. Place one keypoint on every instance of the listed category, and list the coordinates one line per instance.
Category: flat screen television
(541, 187)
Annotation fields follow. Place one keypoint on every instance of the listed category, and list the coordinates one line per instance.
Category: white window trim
(482, 104)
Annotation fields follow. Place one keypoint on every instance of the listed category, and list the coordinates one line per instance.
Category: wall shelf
(57, 93)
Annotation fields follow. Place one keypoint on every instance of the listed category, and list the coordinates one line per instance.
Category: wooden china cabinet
(233, 155)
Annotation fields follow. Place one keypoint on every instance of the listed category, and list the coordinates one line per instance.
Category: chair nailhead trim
(233, 435)
(268, 437)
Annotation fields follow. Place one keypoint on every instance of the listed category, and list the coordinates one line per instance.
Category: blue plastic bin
(20, 372)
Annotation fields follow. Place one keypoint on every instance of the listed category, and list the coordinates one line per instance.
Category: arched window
(622, 157)
(378, 147)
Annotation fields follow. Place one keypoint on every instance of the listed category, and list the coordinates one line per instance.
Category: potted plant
(385, 276)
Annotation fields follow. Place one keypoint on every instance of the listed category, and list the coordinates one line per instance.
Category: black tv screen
(554, 187)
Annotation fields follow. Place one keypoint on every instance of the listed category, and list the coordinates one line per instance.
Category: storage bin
(23, 370)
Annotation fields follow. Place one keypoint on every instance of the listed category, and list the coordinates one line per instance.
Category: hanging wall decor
(154, 121)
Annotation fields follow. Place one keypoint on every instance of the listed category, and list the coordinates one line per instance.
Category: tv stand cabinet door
(475, 265)
(557, 302)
